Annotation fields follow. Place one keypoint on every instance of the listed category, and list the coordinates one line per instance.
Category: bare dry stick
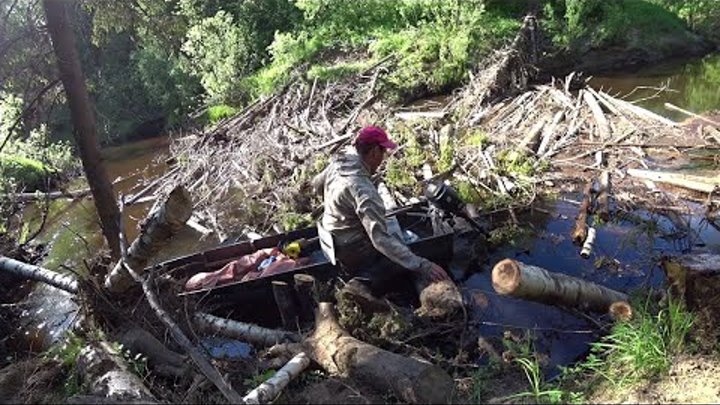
(692, 114)
(600, 119)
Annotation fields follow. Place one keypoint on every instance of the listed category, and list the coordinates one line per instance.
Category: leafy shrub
(219, 112)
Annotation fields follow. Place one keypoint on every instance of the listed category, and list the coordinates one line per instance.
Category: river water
(625, 258)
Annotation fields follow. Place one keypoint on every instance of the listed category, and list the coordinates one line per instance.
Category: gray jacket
(354, 210)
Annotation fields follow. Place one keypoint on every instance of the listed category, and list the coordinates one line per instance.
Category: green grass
(636, 350)
(219, 112)
(26, 172)
(434, 43)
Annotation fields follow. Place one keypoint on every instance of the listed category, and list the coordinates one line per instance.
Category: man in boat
(355, 217)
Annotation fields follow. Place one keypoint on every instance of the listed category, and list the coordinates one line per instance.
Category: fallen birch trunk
(62, 281)
(106, 375)
(687, 181)
(521, 280)
(589, 244)
(161, 225)
(271, 388)
(243, 331)
(53, 195)
(410, 379)
(580, 230)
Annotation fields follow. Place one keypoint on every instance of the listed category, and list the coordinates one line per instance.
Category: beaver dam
(587, 211)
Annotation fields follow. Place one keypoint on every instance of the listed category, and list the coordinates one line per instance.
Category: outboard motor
(447, 199)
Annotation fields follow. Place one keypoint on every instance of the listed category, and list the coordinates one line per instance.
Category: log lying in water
(412, 380)
(271, 388)
(581, 228)
(106, 375)
(244, 331)
(687, 181)
(589, 244)
(161, 225)
(521, 280)
(62, 281)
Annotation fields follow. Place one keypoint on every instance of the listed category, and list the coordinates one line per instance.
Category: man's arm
(318, 182)
(371, 211)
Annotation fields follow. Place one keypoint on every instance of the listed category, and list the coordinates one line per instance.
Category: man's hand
(437, 273)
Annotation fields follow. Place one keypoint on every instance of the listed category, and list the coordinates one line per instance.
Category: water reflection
(695, 85)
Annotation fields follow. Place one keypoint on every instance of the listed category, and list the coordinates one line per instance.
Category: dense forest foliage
(152, 65)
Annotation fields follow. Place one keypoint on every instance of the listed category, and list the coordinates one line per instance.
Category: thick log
(160, 358)
(62, 281)
(271, 388)
(603, 197)
(286, 303)
(107, 375)
(161, 225)
(522, 280)
(687, 181)
(410, 379)
(580, 230)
(306, 293)
(244, 331)
(694, 276)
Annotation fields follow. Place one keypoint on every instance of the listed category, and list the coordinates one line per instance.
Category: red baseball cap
(375, 135)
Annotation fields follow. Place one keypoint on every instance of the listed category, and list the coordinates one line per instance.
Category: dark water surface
(626, 258)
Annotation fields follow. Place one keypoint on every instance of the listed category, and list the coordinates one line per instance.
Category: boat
(433, 245)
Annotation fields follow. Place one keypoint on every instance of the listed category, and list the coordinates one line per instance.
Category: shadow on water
(626, 257)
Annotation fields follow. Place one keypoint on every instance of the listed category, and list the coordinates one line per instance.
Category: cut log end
(621, 311)
(506, 276)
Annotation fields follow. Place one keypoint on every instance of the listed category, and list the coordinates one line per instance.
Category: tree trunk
(161, 225)
(244, 331)
(687, 181)
(410, 379)
(81, 110)
(57, 280)
(521, 280)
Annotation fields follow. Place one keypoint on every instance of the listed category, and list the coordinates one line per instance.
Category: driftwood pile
(251, 168)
